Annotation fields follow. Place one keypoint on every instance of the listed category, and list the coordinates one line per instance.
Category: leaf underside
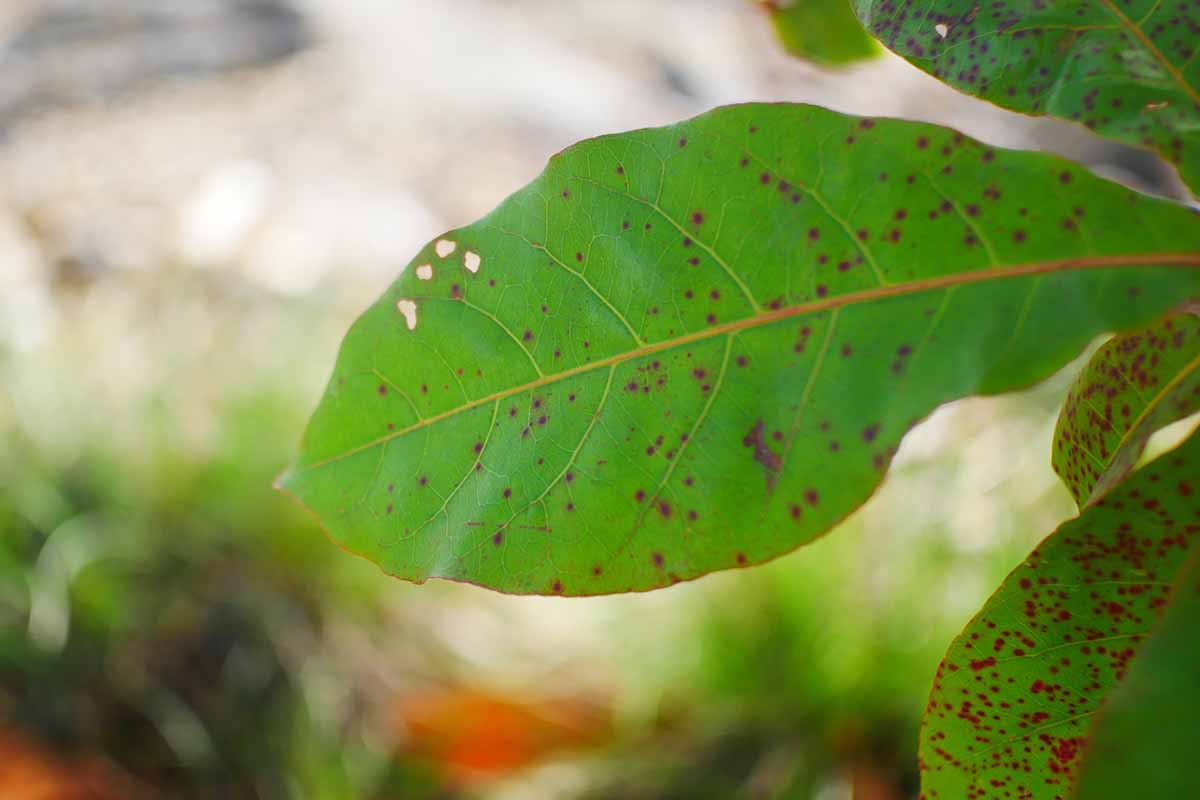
(696, 347)
(1012, 700)
(1126, 69)
(1136, 383)
(822, 31)
(1144, 742)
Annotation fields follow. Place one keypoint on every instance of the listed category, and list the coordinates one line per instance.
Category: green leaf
(697, 347)
(1136, 383)
(1129, 71)
(1144, 742)
(1012, 700)
(822, 31)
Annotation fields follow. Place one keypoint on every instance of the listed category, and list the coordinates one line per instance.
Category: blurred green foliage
(163, 609)
(825, 32)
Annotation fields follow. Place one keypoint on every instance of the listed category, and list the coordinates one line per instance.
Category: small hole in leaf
(409, 309)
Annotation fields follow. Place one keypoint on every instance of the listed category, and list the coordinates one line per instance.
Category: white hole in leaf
(942, 29)
(425, 272)
(444, 247)
(471, 261)
(409, 309)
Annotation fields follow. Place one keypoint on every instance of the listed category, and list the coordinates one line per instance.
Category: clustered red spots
(1094, 444)
(1011, 702)
(1022, 56)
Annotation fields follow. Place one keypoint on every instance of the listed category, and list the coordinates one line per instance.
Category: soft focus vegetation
(181, 629)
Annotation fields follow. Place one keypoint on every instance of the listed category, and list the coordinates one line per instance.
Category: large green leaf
(1145, 742)
(1136, 383)
(822, 31)
(690, 348)
(1013, 698)
(1127, 69)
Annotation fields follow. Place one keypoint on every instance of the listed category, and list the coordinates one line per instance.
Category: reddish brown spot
(763, 454)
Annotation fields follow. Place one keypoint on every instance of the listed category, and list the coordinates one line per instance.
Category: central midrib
(1152, 48)
(776, 315)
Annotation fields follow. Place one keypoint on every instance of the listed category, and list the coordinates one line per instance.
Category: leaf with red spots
(691, 348)
(1128, 70)
(822, 31)
(1012, 700)
(1145, 741)
(1136, 383)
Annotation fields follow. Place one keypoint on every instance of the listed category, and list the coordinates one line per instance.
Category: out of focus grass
(166, 615)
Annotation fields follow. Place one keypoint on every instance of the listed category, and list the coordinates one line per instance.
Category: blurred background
(196, 199)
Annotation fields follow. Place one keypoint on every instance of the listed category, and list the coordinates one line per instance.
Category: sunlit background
(196, 199)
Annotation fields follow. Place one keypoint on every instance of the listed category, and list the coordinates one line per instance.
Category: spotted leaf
(1126, 69)
(822, 31)
(1143, 743)
(696, 347)
(1013, 699)
(1135, 384)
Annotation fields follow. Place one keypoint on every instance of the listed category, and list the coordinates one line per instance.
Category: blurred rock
(72, 51)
